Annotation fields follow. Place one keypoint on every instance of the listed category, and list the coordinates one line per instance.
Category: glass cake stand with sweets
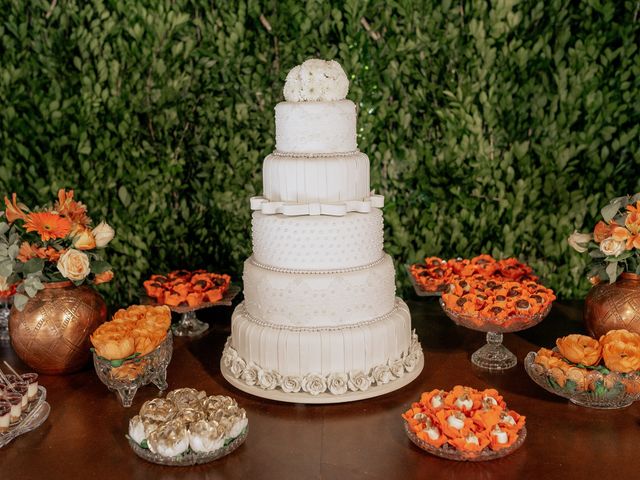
(496, 307)
(185, 292)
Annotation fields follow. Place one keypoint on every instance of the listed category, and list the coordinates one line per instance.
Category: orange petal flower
(580, 349)
(48, 225)
(602, 231)
(67, 207)
(103, 277)
(620, 335)
(620, 234)
(14, 210)
(621, 357)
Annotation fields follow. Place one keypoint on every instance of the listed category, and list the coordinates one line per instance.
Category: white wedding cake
(320, 322)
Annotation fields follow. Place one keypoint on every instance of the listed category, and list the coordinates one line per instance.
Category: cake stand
(189, 325)
(494, 356)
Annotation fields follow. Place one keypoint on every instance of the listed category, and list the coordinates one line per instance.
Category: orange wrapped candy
(183, 288)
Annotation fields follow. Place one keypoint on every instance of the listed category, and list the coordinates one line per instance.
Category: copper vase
(613, 306)
(51, 333)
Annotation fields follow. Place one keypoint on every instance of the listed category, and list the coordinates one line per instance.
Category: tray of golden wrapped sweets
(187, 427)
(464, 424)
(595, 373)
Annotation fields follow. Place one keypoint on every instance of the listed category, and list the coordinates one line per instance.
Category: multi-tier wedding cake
(320, 322)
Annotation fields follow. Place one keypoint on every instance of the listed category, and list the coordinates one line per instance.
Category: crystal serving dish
(451, 453)
(190, 457)
(420, 290)
(32, 417)
(587, 387)
(494, 355)
(126, 376)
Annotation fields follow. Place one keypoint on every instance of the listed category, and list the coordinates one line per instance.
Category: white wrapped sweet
(316, 81)
(136, 429)
(158, 410)
(170, 439)
(206, 436)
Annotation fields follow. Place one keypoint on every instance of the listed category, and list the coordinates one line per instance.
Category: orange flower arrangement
(185, 288)
(132, 332)
(464, 419)
(583, 363)
(502, 302)
(436, 274)
(51, 244)
(614, 244)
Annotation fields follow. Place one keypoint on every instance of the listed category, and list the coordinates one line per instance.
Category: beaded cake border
(278, 153)
(397, 306)
(316, 272)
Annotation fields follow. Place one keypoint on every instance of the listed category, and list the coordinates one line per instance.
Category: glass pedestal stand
(189, 325)
(494, 355)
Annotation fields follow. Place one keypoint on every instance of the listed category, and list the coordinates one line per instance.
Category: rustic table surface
(84, 436)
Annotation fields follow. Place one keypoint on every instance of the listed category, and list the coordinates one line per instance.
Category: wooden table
(84, 436)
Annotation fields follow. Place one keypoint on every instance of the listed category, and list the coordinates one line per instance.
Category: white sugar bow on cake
(316, 81)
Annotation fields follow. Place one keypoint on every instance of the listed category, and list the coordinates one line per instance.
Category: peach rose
(103, 234)
(580, 349)
(621, 357)
(103, 277)
(612, 247)
(113, 347)
(621, 335)
(84, 240)
(74, 265)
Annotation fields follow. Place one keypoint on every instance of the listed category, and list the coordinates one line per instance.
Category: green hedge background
(494, 127)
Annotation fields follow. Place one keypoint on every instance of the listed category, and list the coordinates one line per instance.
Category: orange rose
(84, 239)
(621, 335)
(144, 344)
(601, 231)
(113, 347)
(621, 357)
(103, 277)
(580, 349)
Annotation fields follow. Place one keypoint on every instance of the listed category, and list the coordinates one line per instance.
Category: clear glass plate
(450, 453)
(190, 457)
(32, 417)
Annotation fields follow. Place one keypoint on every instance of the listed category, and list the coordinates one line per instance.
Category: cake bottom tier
(330, 360)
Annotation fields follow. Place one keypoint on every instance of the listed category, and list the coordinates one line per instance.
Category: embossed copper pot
(51, 334)
(613, 306)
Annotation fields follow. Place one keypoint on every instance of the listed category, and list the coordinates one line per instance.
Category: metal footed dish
(586, 387)
(189, 458)
(450, 453)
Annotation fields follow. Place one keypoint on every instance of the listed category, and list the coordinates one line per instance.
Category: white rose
(338, 383)
(237, 367)
(229, 357)
(358, 380)
(74, 265)
(250, 374)
(411, 360)
(316, 81)
(268, 380)
(314, 384)
(612, 247)
(579, 241)
(103, 234)
(136, 429)
(381, 374)
(397, 367)
(291, 384)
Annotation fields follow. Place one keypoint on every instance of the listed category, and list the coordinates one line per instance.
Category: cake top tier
(316, 81)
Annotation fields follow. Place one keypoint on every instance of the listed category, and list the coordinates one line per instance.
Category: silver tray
(189, 458)
(36, 413)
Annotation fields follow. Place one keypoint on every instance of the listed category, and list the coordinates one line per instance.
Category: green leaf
(610, 211)
(6, 268)
(35, 265)
(4, 228)
(19, 301)
(123, 195)
(612, 271)
(100, 266)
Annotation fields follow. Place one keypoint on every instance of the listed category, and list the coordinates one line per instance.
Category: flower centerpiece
(52, 254)
(614, 247)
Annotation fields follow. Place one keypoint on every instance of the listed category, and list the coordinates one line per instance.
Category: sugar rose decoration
(51, 243)
(614, 243)
(464, 420)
